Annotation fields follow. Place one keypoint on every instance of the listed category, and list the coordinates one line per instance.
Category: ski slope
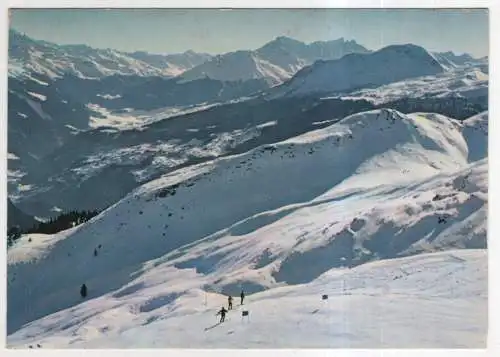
(427, 301)
(275, 220)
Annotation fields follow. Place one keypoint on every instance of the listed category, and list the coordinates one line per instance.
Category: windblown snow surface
(374, 211)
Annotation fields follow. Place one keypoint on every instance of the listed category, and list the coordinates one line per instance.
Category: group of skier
(222, 312)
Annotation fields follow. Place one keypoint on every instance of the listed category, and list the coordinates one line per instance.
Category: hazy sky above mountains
(216, 31)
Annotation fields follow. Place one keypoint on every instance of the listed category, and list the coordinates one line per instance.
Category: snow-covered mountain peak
(361, 70)
(285, 43)
(237, 66)
(409, 50)
(275, 61)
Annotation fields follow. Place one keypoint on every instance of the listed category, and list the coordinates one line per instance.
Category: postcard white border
(494, 166)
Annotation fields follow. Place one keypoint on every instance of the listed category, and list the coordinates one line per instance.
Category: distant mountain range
(83, 61)
(275, 62)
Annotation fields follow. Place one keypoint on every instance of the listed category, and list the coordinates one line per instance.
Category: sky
(218, 31)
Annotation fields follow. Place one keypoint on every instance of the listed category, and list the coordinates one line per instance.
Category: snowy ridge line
(42, 57)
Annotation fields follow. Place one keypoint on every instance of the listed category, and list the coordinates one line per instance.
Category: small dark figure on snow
(230, 303)
(222, 312)
(242, 296)
(83, 291)
(95, 252)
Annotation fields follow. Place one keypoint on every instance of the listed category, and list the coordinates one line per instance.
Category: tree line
(454, 107)
(54, 225)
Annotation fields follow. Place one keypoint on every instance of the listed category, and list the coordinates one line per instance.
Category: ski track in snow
(315, 208)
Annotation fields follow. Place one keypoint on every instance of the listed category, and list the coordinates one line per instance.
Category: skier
(242, 296)
(230, 302)
(83, 291)
(222, 312)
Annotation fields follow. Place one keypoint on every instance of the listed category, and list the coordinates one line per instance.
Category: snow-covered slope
(96, 168)
(355, 71)
(275, 62)
(469, 83)
(240, 65)
(434, 300)
(28, 55)
(475, 130)
(277, 215)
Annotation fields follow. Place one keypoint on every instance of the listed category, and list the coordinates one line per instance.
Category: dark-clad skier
(222, 312)
(83, 291)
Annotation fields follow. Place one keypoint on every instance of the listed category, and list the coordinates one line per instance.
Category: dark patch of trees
(13, 234)
(63, 221)
(54, 225)
(454, 107)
